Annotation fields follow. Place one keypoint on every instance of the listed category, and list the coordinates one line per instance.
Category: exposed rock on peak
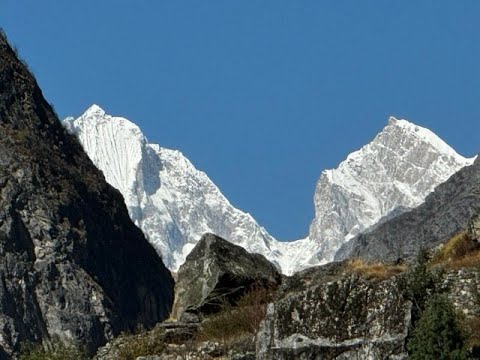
(72, 264)
(94, 110)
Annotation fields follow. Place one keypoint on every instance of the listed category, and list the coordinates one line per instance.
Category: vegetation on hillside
(438, 334)
(54, 350)
(240, 319)
(375, 270)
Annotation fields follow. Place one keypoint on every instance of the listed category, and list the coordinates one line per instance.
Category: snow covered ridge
(391, 174)
(175, 204)
(166, 196)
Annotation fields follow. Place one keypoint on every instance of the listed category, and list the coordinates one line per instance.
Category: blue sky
(262, 95)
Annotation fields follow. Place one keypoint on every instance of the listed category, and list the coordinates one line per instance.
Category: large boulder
(72, 263)
(324, 313)
(218, 271)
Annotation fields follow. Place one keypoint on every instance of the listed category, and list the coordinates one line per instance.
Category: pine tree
(437, 334)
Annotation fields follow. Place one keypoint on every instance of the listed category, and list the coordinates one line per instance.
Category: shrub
(129, 347)
(243, 318)
(375, 270)
(421, 284)
(437, 334)
(55, 350)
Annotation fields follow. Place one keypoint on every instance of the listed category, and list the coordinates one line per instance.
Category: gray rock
(474, 228)
(72, 264)
(216, 271)
(446, 211)
(346, 318)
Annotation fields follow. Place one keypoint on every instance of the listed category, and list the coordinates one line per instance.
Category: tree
(437, 334)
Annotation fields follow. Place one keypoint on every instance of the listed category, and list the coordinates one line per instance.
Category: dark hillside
(72, 264)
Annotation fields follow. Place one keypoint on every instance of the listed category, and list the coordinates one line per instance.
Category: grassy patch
(131, 346)
(459, 252)
(374, 270)
(55, 350)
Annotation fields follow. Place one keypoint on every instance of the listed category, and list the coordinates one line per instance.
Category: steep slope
(393, 173)
(446, 211)
(72, 263)
(167, 197)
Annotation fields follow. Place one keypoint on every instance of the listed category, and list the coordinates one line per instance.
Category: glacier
(175, 204)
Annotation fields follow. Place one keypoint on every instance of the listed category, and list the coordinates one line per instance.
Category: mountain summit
(394, 172)
(167, 197)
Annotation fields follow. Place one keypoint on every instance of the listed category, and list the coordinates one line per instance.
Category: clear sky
(262, 95)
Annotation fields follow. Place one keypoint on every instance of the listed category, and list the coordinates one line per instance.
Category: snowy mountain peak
(406, 128)
(392, 120)
(175, 204)
(396, 170)
(94, 111)
(167, 197)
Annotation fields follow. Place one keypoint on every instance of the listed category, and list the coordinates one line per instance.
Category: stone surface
(446, 211)
(336, 317)
(474, 228)
(216, 271)
(72, 264)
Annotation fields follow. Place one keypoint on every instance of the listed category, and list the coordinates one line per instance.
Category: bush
(243, 318)
(421, 284)
(55, 350)
(437, 334)
(147, 343)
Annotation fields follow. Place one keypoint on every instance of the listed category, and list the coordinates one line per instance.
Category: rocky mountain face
(448, 210)
(167, 197)
(72, 263)
(393, 173)
(336, 317)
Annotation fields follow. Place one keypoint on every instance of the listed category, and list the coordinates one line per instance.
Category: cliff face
(324, 314)
(72, 264)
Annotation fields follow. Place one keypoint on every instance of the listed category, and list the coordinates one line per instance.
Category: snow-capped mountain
(175, 204)
(393, 173)
(167, 197)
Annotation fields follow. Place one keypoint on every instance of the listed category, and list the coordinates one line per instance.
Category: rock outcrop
(445, 212)
(326, 314)
(217, 271)
(72, 264)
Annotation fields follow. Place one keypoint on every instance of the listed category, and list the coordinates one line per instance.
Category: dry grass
(459, 252)
(375, 270)
(234, 321)
(131, 346)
